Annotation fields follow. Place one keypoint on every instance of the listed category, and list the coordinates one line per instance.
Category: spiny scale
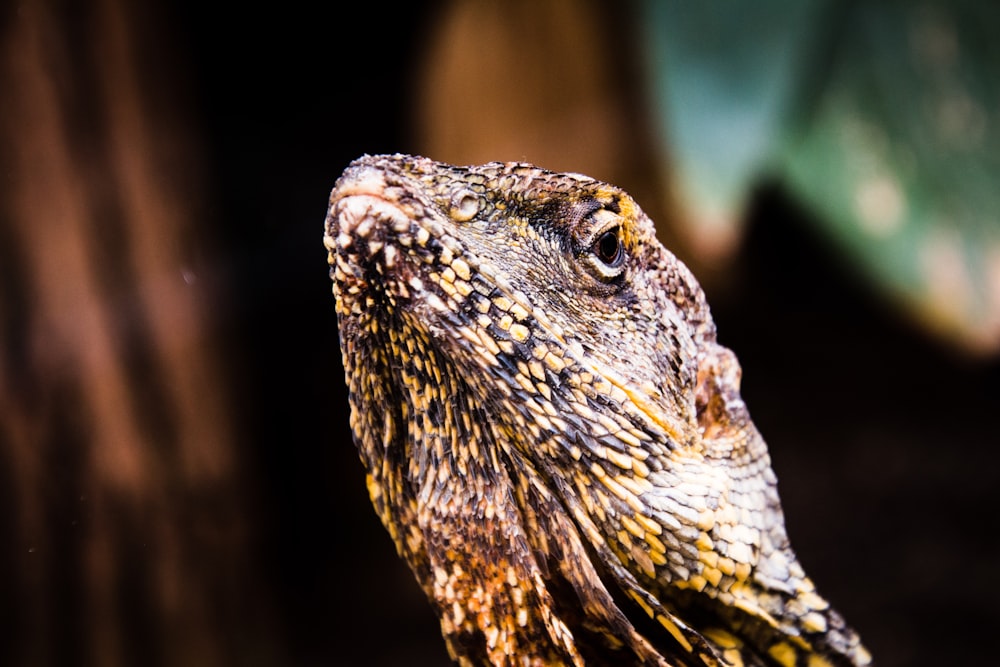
(552, 435)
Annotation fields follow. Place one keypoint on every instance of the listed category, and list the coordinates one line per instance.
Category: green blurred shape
(725, 77)
(883, 117)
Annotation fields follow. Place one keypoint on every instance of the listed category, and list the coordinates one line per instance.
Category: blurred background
(177, 477)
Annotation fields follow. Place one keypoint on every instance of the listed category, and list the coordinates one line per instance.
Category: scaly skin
(552, 435)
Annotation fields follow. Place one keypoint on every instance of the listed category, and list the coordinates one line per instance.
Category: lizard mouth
(364, 233)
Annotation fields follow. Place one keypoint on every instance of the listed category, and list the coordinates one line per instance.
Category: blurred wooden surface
(126, 516)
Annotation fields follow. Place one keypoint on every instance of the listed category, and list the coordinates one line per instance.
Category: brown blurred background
(177, 479)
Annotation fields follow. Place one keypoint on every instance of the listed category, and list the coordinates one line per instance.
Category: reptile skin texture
(552, 435)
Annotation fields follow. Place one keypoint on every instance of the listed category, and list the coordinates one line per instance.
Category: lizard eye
(608, 248)
(602, 248)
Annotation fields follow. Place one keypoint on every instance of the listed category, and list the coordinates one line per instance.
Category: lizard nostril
(464, 205)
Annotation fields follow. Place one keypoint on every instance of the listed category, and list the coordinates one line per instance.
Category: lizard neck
(442, 484)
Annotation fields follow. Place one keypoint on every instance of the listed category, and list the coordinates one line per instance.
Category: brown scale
(553, 437)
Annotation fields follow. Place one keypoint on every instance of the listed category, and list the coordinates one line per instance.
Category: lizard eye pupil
(608, 248)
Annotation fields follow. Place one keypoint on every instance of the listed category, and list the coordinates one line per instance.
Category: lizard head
(515, 338)
(551, 266)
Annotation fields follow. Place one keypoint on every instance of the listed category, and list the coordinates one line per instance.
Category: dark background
(883, 438)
